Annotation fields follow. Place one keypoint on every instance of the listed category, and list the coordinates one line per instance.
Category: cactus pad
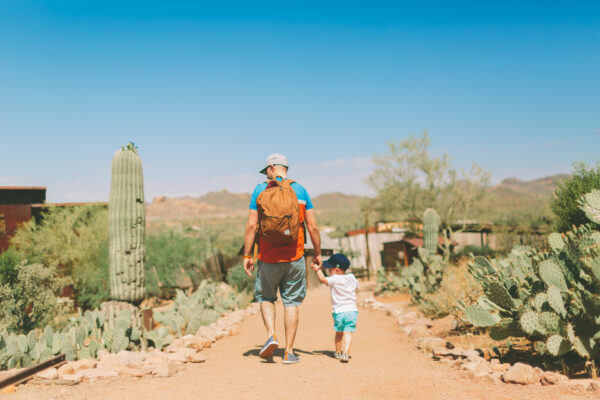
(552, 275)
(530, 323)
(557, 345)
(556, 242)
(556, 301)
(590, 204)
(550, 321)
(499, 296)
(480, 317)
(539, 300)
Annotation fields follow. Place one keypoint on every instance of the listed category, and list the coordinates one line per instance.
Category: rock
(196, 358)
(102, 354)
(195, 342)
(66, 369)
(472, 355)
(482, 368)
(97, 373)
(48, 373)
(478, 367)
(593, 386)
(522, 374)
(180, 355)
(445, 352)
(553, 378)
(9, 389)
(131, 358)
(207, 333)
(408, 318)
(417, 331)
(163, 370)
(493, 379)
(578, 385)
(424, 321)
(429, 343)
(496, 367)
(72, 378)
(134, 372)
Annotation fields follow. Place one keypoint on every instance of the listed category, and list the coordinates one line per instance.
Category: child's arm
(321, 277)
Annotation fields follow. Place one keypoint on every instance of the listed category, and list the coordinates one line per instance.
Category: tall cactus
(431, 227)
(126, 225)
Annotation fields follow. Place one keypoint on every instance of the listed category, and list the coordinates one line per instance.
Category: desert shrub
(564, 202)
(457, 285)
(75, 241)
(468, 250)
(388, 283)
(8, 265)
(29, 296)
(237, 278)
(171, 255)
(201, 307)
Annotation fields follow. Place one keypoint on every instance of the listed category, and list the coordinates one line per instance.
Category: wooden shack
(17, 205)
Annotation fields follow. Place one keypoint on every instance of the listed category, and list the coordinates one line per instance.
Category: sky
(207, 90)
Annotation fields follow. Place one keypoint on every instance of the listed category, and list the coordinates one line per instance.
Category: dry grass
(458, 284)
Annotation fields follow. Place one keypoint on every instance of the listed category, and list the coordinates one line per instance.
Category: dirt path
(384, 365)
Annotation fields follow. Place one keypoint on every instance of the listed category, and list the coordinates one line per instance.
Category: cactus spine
(126, 224)
(431, 227)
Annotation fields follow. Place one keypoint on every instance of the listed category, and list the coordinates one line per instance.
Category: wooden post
(367, 242)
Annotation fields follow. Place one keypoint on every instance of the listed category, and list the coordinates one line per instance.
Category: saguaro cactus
(127, 220)
(431, 227)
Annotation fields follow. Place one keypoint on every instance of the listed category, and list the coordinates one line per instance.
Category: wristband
(246, 257)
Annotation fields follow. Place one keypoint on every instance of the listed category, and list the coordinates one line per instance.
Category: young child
(343, 288)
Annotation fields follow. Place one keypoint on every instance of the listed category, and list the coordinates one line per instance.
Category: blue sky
(208, 89)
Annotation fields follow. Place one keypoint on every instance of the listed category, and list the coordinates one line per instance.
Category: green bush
(171, 255)
(485, 251)
(564, 202)
(75, 241)
(28, 295)
(237, 278)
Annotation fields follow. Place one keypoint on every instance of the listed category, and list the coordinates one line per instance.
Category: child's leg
(347, 341)
(338, 341)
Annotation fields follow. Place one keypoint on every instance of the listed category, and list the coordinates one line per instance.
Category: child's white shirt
(343, 292)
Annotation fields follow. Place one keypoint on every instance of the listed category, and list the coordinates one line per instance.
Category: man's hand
(249, 266)
(317, 262)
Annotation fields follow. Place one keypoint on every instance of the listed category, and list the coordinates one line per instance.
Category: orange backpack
(278, 213)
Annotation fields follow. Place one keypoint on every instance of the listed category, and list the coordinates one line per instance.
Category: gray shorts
(288, 277)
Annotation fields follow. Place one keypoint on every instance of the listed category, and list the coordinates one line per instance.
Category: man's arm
(321, 276)
(315, 237)
(249, 237)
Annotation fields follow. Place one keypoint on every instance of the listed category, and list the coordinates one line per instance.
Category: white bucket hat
(275, 159)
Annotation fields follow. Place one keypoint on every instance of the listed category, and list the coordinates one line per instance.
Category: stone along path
(384, 365)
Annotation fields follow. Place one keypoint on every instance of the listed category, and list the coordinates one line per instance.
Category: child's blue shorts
(345, 321)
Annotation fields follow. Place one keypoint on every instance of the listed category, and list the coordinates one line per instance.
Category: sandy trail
(384, 365)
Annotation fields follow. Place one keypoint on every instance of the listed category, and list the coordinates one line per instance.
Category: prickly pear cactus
(590, 205)
(126, 225)
(431, 228)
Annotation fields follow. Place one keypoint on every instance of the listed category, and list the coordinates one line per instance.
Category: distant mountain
(511, 195)
(337, 202)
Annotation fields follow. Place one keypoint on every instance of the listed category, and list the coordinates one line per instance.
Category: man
(280, 266)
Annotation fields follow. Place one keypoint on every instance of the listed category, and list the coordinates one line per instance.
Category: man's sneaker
(345, 358)
(269, 347)
(290, 358)
(338, 355)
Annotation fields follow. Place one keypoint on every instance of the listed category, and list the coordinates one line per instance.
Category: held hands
(317, 262)
(249, 266)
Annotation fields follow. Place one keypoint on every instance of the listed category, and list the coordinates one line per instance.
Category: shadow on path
(277, 353)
